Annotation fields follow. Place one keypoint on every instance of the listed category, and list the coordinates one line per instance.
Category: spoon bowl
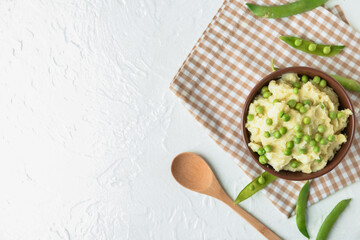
(192, 172)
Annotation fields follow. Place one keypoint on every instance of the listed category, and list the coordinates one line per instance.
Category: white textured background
(89, 128)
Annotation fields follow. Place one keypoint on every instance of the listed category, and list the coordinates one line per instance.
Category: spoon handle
(265, 231)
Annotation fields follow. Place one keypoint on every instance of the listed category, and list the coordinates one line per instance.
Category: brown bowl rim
(350, 129)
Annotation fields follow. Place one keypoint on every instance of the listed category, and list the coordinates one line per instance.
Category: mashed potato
(309, 153)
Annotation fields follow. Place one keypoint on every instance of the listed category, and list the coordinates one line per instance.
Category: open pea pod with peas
(310, 47)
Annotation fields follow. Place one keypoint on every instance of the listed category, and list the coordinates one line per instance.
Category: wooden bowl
(344, 103)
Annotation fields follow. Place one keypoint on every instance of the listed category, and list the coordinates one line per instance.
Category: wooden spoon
(192, 172)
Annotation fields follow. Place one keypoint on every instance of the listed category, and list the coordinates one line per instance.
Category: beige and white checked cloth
(234, 53)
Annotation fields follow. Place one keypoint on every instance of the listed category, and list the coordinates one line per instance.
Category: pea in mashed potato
(295, 124)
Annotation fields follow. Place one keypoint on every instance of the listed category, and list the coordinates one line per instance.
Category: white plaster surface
(89, 127)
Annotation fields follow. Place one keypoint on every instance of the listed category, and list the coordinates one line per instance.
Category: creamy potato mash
(301, 137)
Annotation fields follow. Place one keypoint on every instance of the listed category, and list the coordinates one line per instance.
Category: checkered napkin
(234, 53)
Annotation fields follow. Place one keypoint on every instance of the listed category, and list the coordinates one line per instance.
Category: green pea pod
(347, 83)
(300, 209)
(318, 49)
(286, 10)
(257, 184)
(331, 219)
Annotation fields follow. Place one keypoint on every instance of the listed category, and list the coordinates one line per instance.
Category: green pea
(340, 115)
(322, 83)
(319, 159)
(307, 102)
(332, 115)
(286, 117)
(298, 128)
(264, 89)
(296, 90)
(297, 84)
(306, 120)
(267, 94)
(317, 137)
(316, 149)
(263, 159)
(299, 134)
(303, 109)
(304, 78)
(298, 42)
(268, 148)
(297, 140)
(327, 50)
(283, 130)
(307, 138)
(321, 128)
(290, 145)
(302, 151)
(252, 187)
(313, 143)
(312, 47)
(281, 113)
(287, 152)
(291, 103)
(316, 79)
(298, 106)
(276, 101)
(294, 164)
(322, 105)
(260, 109)
(250, 117)
(323, 141)
(261, 180)
(261, 151)
(277, 134)
(269, 121)
(267, 134)
(331, 138)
